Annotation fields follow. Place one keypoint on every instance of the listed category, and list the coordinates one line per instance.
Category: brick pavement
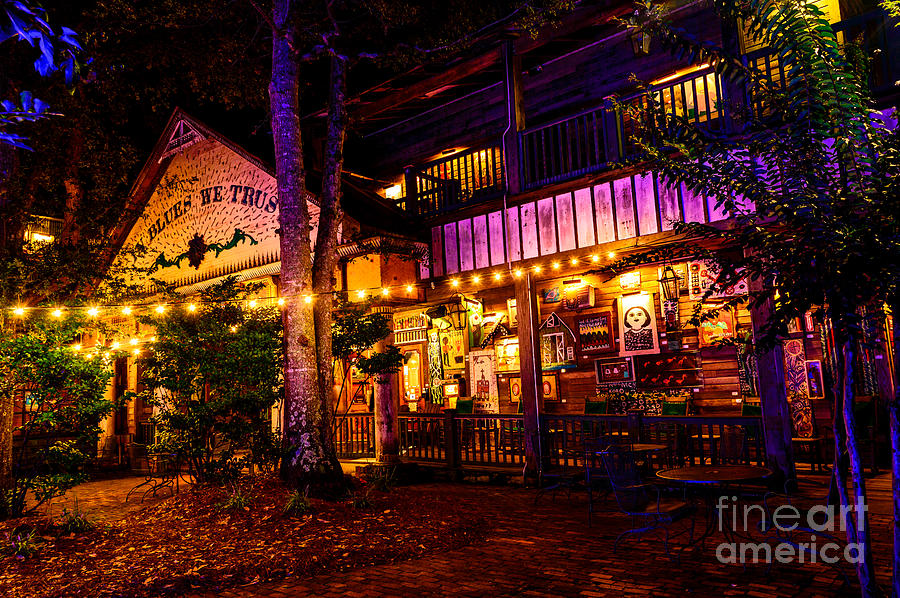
(548, 550)
(104, 500)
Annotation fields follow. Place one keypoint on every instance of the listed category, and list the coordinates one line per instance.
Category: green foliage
(383, 479)
(297, 503)
(74, 521)
(22, 543)
(361, 502)
(213, 377)
(65, 394)
(238, 500)
(808, 172)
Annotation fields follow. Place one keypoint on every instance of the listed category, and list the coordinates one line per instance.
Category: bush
(213, 377)
(297, 504)
(74, 521)
(63, 392)
(238, 500)
(21, 543)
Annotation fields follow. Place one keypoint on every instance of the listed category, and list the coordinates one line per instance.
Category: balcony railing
(454, 182)
(597, 139)
(580, 144)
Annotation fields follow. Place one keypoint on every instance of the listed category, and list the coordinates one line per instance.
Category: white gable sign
(212, 213)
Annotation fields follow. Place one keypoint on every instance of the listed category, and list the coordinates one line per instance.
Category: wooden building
(507, 161)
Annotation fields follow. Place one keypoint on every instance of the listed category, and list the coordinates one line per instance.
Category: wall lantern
(669, 284)
(453, 315)
(640, 42)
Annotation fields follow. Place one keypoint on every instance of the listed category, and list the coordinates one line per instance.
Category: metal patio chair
(642, 501)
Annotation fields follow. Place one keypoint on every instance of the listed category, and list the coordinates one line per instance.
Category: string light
(611, 255)
(537, 269)
(497, 276)
(115, 345)
(136, 352)
(252, 303)
(160, 308)
(573, 261)
(409, 288)
(556, 265)
(77, 347)
(517, 273)
(308, 298)
(361, 294)
(454, 283)
(191, 307)
(133, 341)
(19, 311)
(152, 339)
(57, 313)
(93, 311)
(280, 301)
(476, 279)
(595, 258)
(126, 311)
(385, 291)
(234, 328)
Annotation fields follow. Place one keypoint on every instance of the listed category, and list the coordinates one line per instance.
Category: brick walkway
(104, 500)
(548, 550)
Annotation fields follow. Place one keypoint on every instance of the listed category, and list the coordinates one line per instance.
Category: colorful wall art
(613, 370)
(595, 333)
(668, 370)
(557, 344)
(716, 329)
(637, 324)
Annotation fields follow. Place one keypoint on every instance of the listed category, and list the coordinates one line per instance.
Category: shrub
(63, 392)
(297, 504)
(21, 543)
(74, 521)
(213, 377)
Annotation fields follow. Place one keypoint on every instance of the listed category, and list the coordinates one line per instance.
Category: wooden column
(387, 429)
(513, 83)
(529, 369)
(776, 416)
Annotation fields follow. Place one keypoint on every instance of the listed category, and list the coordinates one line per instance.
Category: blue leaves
(57, 52)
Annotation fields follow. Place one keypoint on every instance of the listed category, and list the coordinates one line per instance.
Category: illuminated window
(682, 95)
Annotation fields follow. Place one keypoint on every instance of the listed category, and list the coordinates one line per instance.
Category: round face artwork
(637, 318)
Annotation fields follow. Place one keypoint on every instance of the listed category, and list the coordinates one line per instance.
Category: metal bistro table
(715, 479)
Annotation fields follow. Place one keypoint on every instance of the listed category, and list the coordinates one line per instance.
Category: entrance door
(120, 385)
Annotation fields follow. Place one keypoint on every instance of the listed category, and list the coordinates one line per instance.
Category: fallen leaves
(186, 543)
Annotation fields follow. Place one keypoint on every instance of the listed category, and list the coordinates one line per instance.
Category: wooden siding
(625, 208)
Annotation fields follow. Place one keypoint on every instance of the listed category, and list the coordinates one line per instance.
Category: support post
(776, 416)
(530, 370)
(511, 153)
(387, 429)
(450, 436)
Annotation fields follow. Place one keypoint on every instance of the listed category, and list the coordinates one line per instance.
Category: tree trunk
(326, 242)
(865, 569)
(304, 420)
(894, 414)
(71, 230)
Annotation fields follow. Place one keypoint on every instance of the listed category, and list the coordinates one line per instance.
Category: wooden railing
(478, 441)
(587, 142)
(354, 435)
(453, 182)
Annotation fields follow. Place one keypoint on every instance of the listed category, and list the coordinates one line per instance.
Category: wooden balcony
(454, 182)
(601, 138)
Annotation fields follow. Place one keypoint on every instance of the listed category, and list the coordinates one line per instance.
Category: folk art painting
(637, 324)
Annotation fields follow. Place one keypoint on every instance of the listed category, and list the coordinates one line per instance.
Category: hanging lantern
(669, 284)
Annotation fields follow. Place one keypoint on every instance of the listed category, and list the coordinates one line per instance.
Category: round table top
(710, 474)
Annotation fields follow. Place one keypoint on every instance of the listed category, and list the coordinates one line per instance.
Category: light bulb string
(398, 291)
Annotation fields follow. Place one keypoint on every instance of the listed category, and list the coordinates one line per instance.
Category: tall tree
(807, 173)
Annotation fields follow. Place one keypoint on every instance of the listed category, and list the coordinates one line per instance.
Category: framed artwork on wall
(637, 324)
(550, 386)
(613, 370)
(595, 333)
(717, 329)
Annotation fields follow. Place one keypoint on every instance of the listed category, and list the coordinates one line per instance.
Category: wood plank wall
(720, 389)
(626, 208)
